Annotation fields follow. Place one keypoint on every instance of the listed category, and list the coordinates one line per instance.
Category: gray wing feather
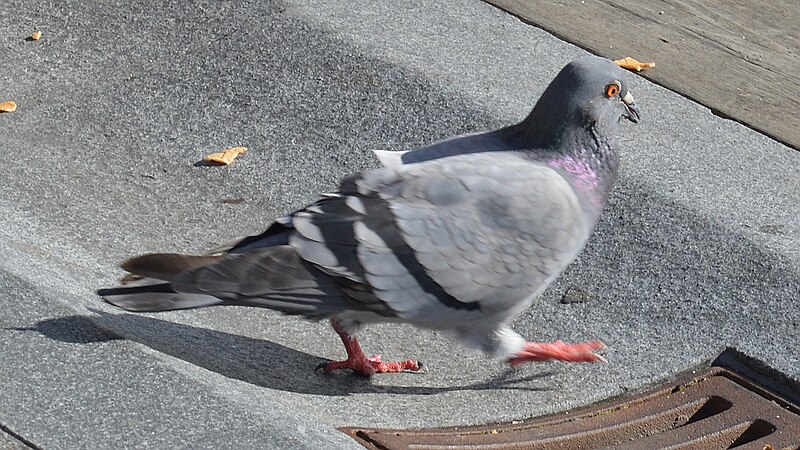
(492, 229)
(391, 279)
(274, 277)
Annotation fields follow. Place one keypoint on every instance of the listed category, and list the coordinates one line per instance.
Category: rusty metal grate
(710, 408)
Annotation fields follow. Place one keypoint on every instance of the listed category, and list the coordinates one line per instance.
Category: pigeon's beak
(633, 111)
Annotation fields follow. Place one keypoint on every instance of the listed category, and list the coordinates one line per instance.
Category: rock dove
(460, 236)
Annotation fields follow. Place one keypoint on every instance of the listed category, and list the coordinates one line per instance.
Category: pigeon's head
(588, 95)
(597, 91)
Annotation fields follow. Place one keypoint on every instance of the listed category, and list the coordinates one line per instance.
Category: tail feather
(149, 295)
(165, 266)
(274, 277)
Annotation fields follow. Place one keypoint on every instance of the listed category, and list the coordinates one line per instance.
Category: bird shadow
(256, 361)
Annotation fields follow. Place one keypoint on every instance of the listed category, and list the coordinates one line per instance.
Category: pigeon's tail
(150, 289)
(149, 295)
(274, 277)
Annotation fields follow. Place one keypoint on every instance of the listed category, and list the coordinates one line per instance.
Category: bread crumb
(632, 64)
(8, 106)
(226, 156)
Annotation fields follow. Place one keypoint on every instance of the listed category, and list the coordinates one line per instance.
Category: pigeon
(460, 236)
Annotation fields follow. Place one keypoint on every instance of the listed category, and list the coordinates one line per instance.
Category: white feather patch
(389, 158)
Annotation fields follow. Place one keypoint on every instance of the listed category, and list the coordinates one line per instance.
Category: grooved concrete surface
(698, 249)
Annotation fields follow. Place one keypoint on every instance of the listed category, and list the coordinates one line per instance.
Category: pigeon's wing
(471, 237)
(457, 237)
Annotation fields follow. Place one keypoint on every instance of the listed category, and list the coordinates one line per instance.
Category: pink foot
(360, 364)
(559, 351)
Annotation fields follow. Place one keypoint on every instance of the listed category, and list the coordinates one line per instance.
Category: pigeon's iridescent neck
(591, 169)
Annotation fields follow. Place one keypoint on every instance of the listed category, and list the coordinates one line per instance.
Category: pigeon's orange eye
(612, 89)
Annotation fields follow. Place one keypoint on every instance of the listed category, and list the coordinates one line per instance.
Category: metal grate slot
(713, 406)
(757, 430)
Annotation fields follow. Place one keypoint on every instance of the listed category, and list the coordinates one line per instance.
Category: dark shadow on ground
(71, 329)
(259, 362)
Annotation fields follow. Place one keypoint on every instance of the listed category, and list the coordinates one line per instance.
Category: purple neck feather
(590, 166)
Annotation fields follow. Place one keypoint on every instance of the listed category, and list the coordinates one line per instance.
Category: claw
(321, 366)
(360, 364)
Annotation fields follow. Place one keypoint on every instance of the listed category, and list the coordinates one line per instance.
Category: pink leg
(559, 351)
(360, 364)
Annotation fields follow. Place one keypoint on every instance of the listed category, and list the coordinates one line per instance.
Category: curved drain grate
(713, 408)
